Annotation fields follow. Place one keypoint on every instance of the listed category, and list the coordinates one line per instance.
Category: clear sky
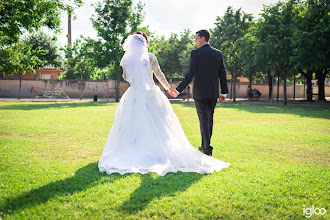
(165, 16)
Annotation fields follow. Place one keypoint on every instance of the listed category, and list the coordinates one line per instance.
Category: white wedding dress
(146, 135)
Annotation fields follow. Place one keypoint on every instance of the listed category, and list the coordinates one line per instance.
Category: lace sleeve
(158, 72)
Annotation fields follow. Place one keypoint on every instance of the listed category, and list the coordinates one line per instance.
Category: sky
(165, 16)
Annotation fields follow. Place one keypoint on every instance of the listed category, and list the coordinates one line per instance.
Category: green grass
(279, 158)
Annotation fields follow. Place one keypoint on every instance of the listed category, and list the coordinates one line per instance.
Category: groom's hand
(221, 99)
(173, 93)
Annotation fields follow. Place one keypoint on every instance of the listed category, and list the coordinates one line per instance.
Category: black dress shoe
(200, 148)
(208, 152)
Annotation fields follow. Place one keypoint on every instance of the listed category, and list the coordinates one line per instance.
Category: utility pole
(69, 27)
(69, 33)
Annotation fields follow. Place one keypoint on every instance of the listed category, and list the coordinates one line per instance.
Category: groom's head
(202, 37)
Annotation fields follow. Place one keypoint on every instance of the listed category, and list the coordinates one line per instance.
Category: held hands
(221, 99)
(173, 92)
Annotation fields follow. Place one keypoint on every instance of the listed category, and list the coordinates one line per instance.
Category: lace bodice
(154, 68)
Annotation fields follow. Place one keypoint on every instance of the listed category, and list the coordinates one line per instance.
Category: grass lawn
(278, 155)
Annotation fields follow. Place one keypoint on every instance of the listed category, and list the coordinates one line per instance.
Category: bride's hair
(143, 34)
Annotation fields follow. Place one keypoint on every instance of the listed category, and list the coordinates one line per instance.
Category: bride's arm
(158, 72)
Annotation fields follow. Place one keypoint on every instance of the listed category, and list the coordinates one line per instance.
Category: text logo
(309, 212)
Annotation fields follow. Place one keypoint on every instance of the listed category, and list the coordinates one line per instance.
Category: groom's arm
(223, 77)
(190, 73)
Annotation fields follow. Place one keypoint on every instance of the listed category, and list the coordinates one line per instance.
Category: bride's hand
(173, 92)
(170, 91)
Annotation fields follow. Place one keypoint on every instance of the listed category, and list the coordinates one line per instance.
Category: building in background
(44, 73)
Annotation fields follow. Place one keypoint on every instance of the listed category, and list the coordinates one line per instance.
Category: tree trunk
(20, 86)
(278, 87)
(108, 82)
(304, 89)
(231, 86)
(320, 75)
(285, 100)
(309, 86)
(117, 87)
(234, 88)
(270, 83)
(294, 86)
(82, 87)
(272, 87)
(115, 93)
(309, 91)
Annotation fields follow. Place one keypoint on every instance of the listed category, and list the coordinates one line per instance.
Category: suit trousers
(205, 110)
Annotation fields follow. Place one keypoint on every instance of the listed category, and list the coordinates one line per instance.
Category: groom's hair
(204, 33)
(143, 34)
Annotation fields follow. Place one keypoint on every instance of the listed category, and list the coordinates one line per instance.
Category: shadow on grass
(84, 178)
(156, 188)
(36, 105)
(89, 176)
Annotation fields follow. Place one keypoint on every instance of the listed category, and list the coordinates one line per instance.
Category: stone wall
(72, 88)
(241, 90)
(32, 88)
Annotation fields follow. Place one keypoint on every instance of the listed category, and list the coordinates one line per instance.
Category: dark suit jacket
(206, 66)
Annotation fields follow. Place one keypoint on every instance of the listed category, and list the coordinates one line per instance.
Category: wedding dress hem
(160, 173)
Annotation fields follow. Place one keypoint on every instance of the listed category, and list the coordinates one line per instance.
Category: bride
(146, 135)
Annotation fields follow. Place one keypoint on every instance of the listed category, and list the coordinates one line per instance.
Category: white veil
(135, 61)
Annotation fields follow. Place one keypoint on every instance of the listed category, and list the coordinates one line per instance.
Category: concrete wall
(300, 92)
(241, 90)
(32, 88)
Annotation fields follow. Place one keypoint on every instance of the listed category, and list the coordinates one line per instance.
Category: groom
(207, 68)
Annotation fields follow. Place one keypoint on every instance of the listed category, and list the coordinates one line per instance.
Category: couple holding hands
(146, 135)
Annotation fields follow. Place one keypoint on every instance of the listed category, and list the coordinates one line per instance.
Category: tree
(19, 59)
(173, 54)
(74, 53)
(82, 61)
(115, 20)
(311, 41)
(40, 40)
(247, 54)
(18, 16)
(184, 56)
(85, 68)
(253, 55)
(275, 33)
(225, 36)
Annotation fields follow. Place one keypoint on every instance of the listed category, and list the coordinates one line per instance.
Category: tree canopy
(290, 38)
(19, 16)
